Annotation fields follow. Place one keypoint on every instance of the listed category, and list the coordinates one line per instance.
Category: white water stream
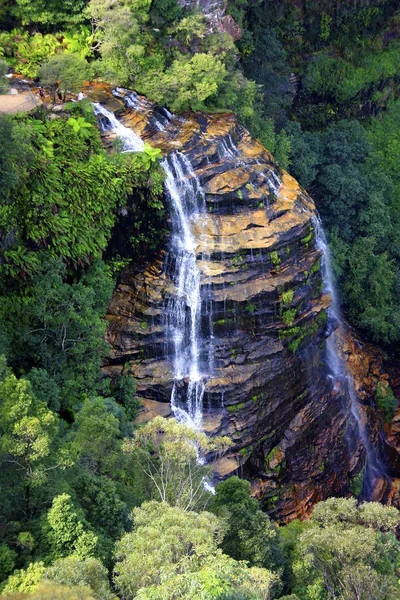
(374, 469)
(184, 308)
(182, 315)
(109, 122)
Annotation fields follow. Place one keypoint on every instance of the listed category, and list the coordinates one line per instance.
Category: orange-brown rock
(291, 430)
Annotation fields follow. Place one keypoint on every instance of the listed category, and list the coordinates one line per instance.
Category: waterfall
(108, 122)
(188, 311)
(183, 311)
(374, 469)
(184, 308)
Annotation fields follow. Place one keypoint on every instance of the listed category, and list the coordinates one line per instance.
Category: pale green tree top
(173, 550)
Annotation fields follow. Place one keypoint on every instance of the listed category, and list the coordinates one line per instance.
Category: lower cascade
(233, 329)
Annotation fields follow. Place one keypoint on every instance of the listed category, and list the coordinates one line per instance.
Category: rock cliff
(291, 428)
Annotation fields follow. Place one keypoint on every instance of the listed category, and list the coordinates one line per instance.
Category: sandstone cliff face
(264, 309)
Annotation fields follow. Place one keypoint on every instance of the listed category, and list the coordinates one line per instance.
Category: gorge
(199, 300)
(233, 328)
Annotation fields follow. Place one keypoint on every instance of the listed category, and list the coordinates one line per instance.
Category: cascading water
(374, 469)
(184, 308)
(108, 122)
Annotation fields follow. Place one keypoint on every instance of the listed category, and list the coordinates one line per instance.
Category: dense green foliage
(340, 114)
(91, 508)
(67, 486)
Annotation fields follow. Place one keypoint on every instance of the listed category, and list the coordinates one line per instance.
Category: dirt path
(23, 101)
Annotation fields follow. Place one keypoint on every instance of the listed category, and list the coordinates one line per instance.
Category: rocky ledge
(264, 308)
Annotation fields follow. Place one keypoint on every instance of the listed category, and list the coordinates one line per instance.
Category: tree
(65, 71)
(47, 590)
(66, 531)
(59, 327)
(29, 432)
(251, 536)
(48, 13)
(7, 561)
(88, 572)
(348, 552)
(45, 388)
(4, 83)
(171, 549)
(97, 437)
(25, 580)
(187, 84)
(100, 499)
(169, 454)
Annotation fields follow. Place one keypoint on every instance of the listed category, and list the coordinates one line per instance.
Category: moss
(287, 297)
(275, 258)
(220, 322)
(288, 316)
(246, 451)
(294, 345)
(235, 407)
(271, 454)
(307, 239)
(250, 308)
(309, 332)
(287, 250)
(386, 402)
(237, 260)
(322, 466)
(254, 398)
(233, 353)
(143, 325)
(316, 267)
(318, 289)
(356, 483)
(240, 194)
(270, 503)
(285, 333)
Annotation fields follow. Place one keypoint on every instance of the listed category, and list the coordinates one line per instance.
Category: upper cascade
(230, 326)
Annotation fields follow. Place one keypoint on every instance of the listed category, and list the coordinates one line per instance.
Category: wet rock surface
(264, 314)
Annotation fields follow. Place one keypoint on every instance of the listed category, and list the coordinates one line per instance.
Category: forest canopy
(92, 507)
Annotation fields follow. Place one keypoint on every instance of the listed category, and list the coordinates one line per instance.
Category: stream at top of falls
(191, 350)
(109, 122)
(374, 469)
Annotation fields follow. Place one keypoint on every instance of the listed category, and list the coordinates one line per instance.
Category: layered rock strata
(264, 318)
